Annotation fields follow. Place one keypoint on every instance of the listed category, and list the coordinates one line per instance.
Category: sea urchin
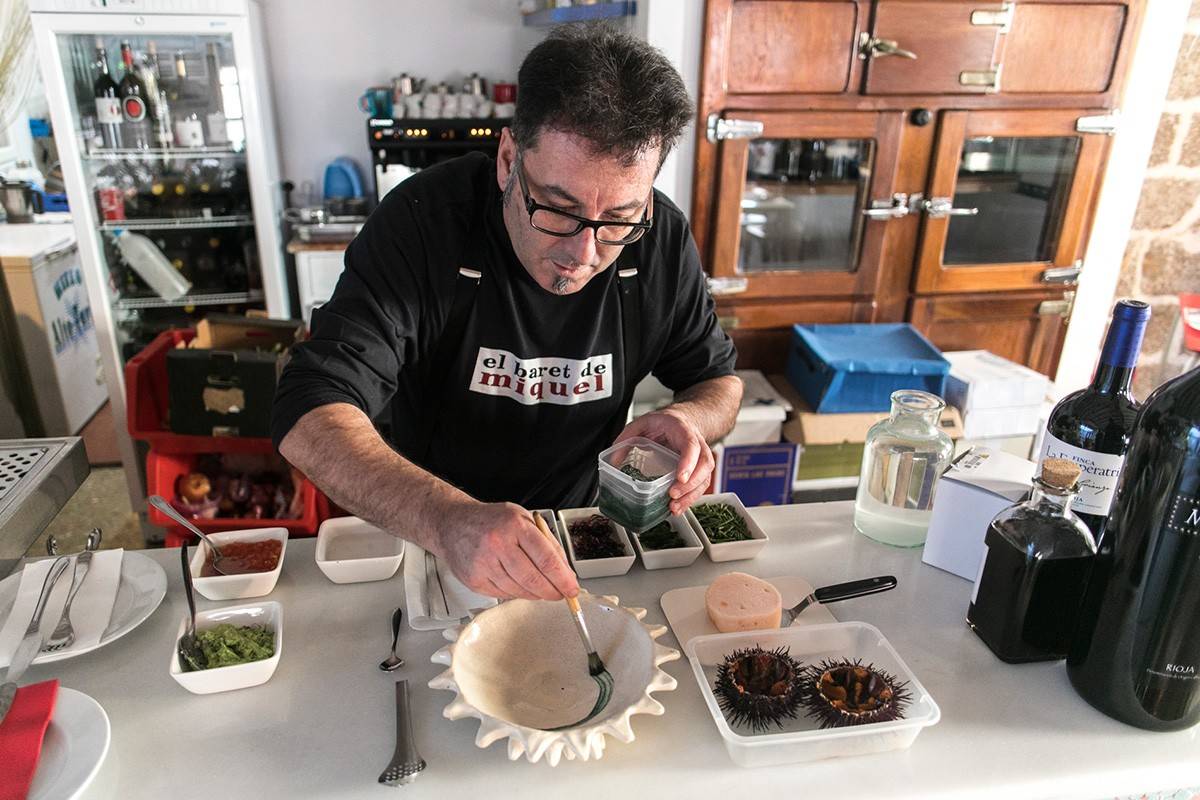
(758, 688)
(840, 693)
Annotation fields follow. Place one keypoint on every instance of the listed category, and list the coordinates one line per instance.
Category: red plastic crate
(163, 470)
(146, 404)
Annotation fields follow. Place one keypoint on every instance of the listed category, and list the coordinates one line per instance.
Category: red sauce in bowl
(239, 558)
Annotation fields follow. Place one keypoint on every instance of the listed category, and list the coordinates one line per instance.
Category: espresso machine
(402, 147)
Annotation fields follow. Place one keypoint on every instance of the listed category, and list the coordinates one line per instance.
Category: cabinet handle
(719, 287)
(1061, 308)
(872, 46)
(900, 205)
(938, 207)
(1063, 274)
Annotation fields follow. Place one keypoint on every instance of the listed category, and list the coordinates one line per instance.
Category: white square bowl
(595, 567)
(554, 524)
(239, 587)
(671, 556)
(238, 676)
(728, 551)
(350, 550)
(802, 739)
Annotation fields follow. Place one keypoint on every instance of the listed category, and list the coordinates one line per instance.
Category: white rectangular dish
(595, 567)
(802, 739)
(237, 676)
(728, 551)
(247, 585)
(669, 557)
(351, 550)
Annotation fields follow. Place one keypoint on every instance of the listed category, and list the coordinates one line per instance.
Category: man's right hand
(496, 549)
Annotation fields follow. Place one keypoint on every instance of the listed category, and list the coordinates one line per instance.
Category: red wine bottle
(108, 103)
(134, 106)
(1136, 651)
(1092, 426)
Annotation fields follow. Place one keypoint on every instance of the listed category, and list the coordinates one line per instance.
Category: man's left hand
(675, 430)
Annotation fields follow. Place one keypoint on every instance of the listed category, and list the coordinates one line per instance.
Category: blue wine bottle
(1092, 426)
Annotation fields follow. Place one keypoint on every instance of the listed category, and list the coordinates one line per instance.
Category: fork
(64, 632)
(836, 592)
(406, 762)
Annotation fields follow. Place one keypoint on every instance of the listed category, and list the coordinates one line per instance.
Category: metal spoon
(190, 653)
(394, 661)
(162, 505)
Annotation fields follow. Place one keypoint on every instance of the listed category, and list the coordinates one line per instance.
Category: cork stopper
(1060, 473)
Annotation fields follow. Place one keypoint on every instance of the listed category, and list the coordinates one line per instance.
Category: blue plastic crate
(844, 368)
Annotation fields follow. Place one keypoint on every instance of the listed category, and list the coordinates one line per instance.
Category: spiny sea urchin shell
(758, 687)
(842, 692)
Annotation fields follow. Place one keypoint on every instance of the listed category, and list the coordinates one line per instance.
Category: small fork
(64, 632)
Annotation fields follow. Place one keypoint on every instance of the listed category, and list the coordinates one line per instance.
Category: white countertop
(324, 725)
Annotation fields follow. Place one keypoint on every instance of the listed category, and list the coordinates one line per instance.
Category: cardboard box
(222, 383)
(979, 379)
(979, 485)
(760, 417)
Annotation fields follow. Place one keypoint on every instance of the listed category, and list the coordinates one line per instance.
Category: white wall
(322, 57)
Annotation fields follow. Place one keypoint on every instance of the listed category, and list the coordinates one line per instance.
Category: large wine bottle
(1136, 652)
(1092, 426)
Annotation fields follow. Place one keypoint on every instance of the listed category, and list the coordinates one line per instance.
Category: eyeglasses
(560, 223)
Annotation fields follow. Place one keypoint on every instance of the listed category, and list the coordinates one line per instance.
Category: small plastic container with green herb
(725, 528)
(634, 478)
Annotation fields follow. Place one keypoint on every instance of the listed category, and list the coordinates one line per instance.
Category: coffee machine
(402, 147)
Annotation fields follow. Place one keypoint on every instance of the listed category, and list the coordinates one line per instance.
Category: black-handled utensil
(839, 591)
(394, 661)
(190, 654)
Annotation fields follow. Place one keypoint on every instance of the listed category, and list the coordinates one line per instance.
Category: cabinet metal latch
(1002, 18)
(872, 47)
(1063, 274)
(728, 323)
(900, 205)
(718, 128)
(1101, 123)
(1061, 308)
(719, 287)
(938, 207)
(987, 78)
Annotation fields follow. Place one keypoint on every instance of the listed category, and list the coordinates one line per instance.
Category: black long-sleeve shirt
(537, 386)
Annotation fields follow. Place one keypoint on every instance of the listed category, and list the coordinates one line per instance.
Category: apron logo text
(562, 381)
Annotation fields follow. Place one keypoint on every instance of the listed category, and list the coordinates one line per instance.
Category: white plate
(76, 743)
(143, 586)
(688, 616)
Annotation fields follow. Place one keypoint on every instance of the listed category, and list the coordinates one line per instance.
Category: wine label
(1098, 479)
(108, 111)
(189, 133)
(135, 109)
(1184, 515)
(217, 130)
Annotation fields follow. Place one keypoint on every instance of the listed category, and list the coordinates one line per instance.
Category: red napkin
(21, 736)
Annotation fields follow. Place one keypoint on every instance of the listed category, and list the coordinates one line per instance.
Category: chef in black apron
(494, 317)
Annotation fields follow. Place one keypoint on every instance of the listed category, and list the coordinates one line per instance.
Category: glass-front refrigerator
(163, 120)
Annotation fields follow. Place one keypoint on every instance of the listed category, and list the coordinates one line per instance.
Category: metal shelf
(162, 153)
(226, 299)
(183, 223)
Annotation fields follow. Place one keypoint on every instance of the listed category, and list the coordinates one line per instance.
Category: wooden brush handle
(573, 602)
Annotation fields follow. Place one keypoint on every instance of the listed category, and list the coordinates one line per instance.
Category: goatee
(561, 284)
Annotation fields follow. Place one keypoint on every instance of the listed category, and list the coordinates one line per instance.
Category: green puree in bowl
(226, 644)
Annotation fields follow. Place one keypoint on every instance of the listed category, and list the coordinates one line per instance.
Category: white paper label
(189, 133)
(979, 576)
(1097, 480)
(108, 111)
(217, 129)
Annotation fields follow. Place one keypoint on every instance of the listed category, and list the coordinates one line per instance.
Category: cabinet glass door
(1008, 199)
(789, 215)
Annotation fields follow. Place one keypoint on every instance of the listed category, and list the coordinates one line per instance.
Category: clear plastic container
(635, 504)
(802, 739)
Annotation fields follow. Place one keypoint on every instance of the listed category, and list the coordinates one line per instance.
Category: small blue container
(846, 368)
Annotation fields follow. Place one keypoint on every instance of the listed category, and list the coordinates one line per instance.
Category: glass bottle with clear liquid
(903, 458)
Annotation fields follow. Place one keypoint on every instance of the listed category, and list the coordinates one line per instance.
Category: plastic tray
(803, 739)
(637, 505)
(856, 367)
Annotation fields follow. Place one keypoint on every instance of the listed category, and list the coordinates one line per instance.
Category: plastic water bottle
(144, 257)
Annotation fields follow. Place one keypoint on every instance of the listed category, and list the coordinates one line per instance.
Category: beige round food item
(741, 602)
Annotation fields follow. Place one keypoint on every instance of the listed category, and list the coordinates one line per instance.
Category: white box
(979, 379)
(977, 487)
(1008, 421)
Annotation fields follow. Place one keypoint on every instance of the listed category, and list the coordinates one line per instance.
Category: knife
(32, 641)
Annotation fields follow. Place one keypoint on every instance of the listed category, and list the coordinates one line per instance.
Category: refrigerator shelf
(203, 299)
(162, 153)
(182, 223)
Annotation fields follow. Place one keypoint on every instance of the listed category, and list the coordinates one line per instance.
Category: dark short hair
(611, 88)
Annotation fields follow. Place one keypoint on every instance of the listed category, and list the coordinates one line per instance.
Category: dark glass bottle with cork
(1037, 556)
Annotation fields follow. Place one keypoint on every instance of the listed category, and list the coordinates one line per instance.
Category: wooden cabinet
(1028, 328)
(839, 179)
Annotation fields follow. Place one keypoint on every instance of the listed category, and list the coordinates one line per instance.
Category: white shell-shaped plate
(520, 668)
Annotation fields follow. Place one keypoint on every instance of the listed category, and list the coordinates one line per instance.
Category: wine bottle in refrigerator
(134, 108)
(1136, 652)
(108, 102)
(1092, 426)
(217, 129)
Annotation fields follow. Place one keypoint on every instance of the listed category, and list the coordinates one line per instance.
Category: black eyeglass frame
(637, 229)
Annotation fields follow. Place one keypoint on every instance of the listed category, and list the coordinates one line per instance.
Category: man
(502, 312)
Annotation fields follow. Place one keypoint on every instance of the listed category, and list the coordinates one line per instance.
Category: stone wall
(1163, 255)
